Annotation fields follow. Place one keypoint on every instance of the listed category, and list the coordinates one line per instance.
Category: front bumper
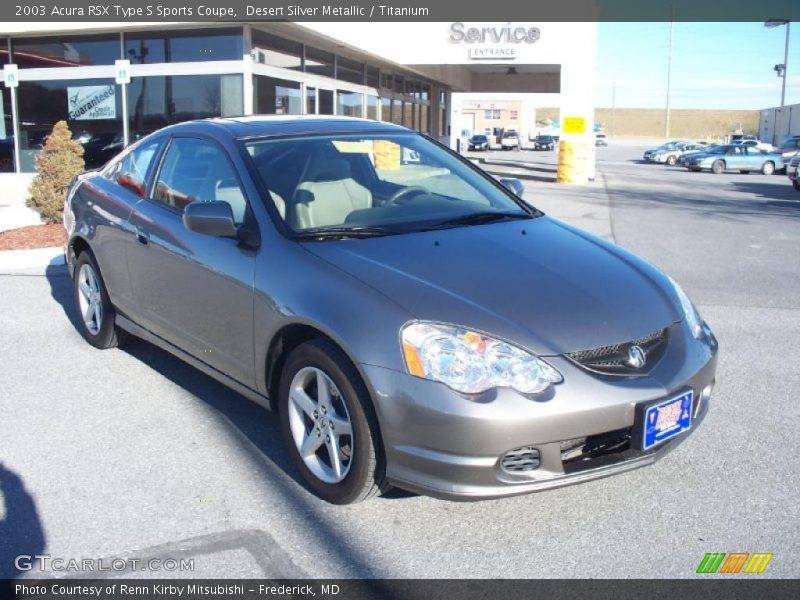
(442, 444)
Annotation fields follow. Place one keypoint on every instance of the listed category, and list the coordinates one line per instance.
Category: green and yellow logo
(734, 562)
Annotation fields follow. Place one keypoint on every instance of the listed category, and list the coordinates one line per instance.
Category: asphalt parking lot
(131, 453)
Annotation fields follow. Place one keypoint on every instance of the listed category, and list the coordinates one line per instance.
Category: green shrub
(59, 161)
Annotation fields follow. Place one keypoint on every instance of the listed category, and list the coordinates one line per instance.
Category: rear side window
(131, 171)
(197, 170)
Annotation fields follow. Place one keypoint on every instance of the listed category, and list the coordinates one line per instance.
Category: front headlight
(471, 362)
(693, 319)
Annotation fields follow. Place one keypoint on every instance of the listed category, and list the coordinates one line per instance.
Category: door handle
(142, 237)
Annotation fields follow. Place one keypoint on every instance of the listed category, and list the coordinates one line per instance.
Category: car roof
(256, 126)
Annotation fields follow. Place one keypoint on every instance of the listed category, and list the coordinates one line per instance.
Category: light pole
(780, 69)
(669, 74)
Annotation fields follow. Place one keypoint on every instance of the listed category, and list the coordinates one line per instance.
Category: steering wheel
(412, 189)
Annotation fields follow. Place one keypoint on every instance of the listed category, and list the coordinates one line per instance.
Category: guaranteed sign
(91, 102)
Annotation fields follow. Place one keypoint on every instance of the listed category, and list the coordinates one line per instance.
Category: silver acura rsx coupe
(412, 321)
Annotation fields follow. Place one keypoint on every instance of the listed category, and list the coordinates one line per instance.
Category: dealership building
(425, 76)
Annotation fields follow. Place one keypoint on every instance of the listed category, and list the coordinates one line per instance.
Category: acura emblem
(636, 357)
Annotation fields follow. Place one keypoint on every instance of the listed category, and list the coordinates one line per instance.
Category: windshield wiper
(481, 218)
(320, 233)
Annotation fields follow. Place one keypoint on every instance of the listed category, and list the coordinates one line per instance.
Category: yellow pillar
(573, 152)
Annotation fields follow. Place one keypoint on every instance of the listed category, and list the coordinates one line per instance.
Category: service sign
(91, 102)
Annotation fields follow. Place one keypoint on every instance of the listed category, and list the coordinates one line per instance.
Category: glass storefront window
(349, 104)
(311, 100)
(386, 109)
(372, 107)
(319, 62)
(276, 96)
(65, 51)
(349, 70)
(91, 107)
(397, 112)
(184, 46)
(325, 102)
(423, 124)
(6, 132)
(154, 102)
(408, 115)
(276, 51)
(372, 77)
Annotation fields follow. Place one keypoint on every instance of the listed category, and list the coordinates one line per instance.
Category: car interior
(321, 182)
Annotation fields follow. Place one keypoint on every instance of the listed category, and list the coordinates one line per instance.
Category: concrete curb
(12, 261)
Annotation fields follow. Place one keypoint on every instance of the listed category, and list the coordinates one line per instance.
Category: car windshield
(384, 183)
(544, 138)
(478, 138)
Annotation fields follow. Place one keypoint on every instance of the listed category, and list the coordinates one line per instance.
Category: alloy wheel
(90, 299)
(320, 425)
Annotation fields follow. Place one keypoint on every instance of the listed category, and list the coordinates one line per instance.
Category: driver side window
(197, 170)
(131, 171)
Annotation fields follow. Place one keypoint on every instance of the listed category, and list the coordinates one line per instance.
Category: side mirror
(210, 218)
(513, 185)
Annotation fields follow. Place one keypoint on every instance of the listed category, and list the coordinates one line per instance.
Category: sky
(714, 65)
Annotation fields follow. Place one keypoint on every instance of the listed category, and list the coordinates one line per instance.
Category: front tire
(718, 167)
(96, 314)
(329, 425)
(768, 168)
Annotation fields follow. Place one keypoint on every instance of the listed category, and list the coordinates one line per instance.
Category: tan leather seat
(327, 194)
(280, 203)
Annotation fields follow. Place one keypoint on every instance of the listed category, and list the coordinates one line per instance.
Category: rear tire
(307, 416)
(718, 167)
(768, 168)
(671, 160)
(95, 313)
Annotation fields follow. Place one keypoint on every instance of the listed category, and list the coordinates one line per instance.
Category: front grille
(613, 359)
(520, 460)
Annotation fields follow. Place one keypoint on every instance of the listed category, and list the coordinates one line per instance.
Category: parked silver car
(412, 321)
(673, 145)
(672, 156)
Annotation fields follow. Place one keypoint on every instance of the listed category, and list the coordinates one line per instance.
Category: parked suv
(792, 170)
(509, 140)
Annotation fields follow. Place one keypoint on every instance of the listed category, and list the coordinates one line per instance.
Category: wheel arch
(289, 337)
(76, 245)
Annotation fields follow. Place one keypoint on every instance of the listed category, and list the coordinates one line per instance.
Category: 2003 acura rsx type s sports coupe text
(412, 320)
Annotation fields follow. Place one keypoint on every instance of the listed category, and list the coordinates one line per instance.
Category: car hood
(543, 284)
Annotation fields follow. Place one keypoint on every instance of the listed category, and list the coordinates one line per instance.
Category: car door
(736, 158)
(110, 195)
(195, 290)
(755, 158)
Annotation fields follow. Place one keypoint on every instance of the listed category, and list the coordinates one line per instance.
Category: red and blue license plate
(666, 419)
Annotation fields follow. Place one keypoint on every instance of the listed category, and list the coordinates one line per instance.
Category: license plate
(666, 419)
